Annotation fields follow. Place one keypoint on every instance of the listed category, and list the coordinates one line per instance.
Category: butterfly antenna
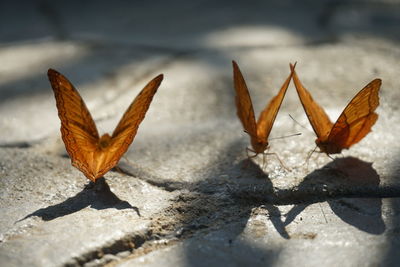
(310, 154)
(126, 158)
(264, 162)
(285, 136)
(298, 123)
(118, 169)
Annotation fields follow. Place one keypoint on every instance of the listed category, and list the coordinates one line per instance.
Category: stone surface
(281, 236)
(185, 193)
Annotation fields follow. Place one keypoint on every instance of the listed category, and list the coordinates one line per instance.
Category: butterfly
(260, 130)
(91, 154)
(353, 124)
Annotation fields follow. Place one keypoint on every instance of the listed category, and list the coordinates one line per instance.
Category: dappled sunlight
(252, 36)
(25, 60)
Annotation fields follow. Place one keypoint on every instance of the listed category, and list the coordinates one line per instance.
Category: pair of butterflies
(353, 124)
(94, 155)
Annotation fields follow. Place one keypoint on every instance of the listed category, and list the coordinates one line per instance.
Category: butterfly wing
(127, 127)
(268, 115)
(357, 118)
(78, 129)
(244, 106)
(316, 115)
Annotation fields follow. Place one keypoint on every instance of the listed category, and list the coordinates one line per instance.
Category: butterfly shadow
(206, 205)
(350, 186)
(226, 217)
(96, 195)
(252, 173)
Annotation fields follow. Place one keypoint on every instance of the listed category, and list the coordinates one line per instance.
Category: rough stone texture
(185, 193)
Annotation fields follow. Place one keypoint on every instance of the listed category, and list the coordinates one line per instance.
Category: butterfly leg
(309, 156)
(329, 156)
(264, 161)
(280, 161)
(335, 162)
(252, 151)
(118, 169)
(249, 157)
(98, 185)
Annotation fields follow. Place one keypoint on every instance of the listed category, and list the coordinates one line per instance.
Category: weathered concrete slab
(349, 231)
(64, 221)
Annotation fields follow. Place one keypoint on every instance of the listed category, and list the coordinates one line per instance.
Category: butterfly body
(328, 147)
(104, 142)
(354, 123)
(259, 145)
(93, 155)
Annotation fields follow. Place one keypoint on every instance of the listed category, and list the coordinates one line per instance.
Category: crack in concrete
(127, 243)
(195, 212)
(259, 194)
(189, 214)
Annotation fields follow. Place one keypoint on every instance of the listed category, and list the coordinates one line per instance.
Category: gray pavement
(185, 194)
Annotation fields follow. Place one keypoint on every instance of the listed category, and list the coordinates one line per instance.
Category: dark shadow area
(224, 217)
(95, 195)
(345, 177)
(104, 19)
(206, 209)
(212, 249)
(363, 213)
(390, 252)
(348, 185)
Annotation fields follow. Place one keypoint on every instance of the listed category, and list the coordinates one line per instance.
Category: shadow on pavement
(390, 253)
(225, 217)
(353, 179)
(95, 195)
(251, 169)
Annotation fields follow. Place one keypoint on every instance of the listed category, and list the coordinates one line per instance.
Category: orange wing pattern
(244, 106)
(78, 129)
(268, 115)
(358, 117)
(92, 155)
(259, 131)
(316, 115)
(127, 127)
(353, 124)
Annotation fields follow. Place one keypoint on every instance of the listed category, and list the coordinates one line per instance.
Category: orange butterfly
(91, 154)
(260, 130)
(353, 124)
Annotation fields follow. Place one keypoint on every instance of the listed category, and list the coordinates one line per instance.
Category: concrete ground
(185, 193)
